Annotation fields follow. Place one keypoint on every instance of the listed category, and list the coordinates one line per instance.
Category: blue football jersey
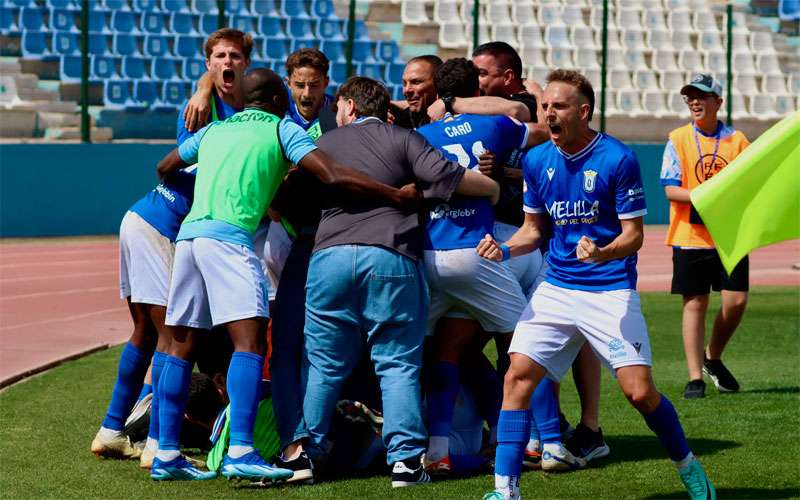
(167, 204)
(464, 221)
(586, 193)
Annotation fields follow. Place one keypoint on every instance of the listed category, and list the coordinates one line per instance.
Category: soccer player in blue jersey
(589, 185)
(147, 245)
(488, 292)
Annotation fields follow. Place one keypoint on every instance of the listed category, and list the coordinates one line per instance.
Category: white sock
(167, 455)
(151, 445)
(507, 485)
(236, 450)
(534, 445)
(109, 434)
(437, 448)
(554, 448)
(686, 461)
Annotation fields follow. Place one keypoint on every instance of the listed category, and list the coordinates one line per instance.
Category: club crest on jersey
(550, 172)
(589, 178)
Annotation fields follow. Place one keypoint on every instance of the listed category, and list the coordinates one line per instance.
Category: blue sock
(155, 374)
(146, 389)
(665, 424)
(513, 429)
(244, 382)
(133, 365)
(544, 410)
(442, 398)
(485, 385)
(174, 388)
(534, 436)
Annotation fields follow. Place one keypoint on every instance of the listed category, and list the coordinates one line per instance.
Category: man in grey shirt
(365, 286)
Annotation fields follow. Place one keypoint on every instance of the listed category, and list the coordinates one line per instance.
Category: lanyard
(718, 136)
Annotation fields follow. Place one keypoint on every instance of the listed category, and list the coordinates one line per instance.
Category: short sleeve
(512, 133)
(531, 202)
(295, 141)
(440, 177)
(529, 100)
(671, 167)
(189, 149)
(183, 133)
(629, 190)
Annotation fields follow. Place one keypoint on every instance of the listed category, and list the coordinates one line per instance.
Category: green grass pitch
(748, 442)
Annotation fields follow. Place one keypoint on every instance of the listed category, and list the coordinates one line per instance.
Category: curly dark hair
(457, 77)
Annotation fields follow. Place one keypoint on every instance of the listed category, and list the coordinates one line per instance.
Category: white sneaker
(556, 457)
(116, 446)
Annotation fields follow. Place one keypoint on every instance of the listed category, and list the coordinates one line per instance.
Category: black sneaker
(695, 389)
(302, 467)
(722, 378)
(409, 472)
(587, 444)
(564, 426)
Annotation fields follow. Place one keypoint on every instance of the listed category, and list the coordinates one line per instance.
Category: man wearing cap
(695, 153)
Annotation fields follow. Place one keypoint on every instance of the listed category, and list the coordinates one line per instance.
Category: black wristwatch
(448, 101)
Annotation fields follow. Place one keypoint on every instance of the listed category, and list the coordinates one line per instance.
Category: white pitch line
(56, 276)
(60, 292)
(68, 318)
(57, 263)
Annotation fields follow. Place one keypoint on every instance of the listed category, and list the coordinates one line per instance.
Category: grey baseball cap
(704, 82)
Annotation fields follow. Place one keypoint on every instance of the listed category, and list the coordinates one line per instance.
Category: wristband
(506, 252)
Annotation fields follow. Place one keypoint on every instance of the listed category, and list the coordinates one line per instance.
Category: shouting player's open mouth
(228, 77)
(555, 131)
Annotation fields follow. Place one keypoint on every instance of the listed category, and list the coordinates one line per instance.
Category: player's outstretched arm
(527, 239)
(483, 105)
(330, 172)
(476, 184)
(538, 133)
(677, 193)
(170, 163)
(627, 243)
(197, 110)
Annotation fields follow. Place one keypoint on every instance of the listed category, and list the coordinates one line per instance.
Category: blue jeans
(359, 296)
(286, 363)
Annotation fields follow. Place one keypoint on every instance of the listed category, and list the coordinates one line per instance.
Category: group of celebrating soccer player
(388, 242)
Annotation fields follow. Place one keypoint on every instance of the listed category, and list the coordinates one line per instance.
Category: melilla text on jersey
(574, 212)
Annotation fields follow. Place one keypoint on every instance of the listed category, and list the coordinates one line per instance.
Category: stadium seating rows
(148, 52)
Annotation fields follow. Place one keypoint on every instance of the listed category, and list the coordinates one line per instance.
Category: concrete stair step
(54, 120)
(36, 94)
(25, 81)
(10, 68)
(17, 122)
(54, 106)
(97, 134)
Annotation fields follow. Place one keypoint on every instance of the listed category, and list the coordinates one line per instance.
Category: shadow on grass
(635, 448)
(743, 493)
(775, 390)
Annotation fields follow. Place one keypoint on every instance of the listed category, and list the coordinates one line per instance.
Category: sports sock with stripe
(155, 375)
(513, 430)
(442, 393)
(544, 412)
(133, 363)
(174, 387)
(665, 424)
(244, 389)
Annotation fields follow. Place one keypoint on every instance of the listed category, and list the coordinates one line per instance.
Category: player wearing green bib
(217, 278)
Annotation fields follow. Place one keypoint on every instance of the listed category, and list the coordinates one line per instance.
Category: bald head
(263, 88)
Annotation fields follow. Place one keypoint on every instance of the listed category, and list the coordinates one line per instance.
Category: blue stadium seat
(34, 45)
(97, 21)
(259, 63)
(182, 24)
(334, 49)
(388, 51)
(103, 68)
(32, 18)
(174, 6)
(299, 28)
(69, 68)
(242, 22)
(303, 43)
(20, 3)
(279, 67)
(264, 8)
(152, 22)
(363, 51)
(116, 5)
(323, 9)
(116, 93)
(145, 93)
(394, 73)
(156, 46)
(275, 49)
(271, 26)
(133, 68)
(163, 69)
(329, 29)
(98, 44)
(62, 20)
(362, 32)
(204, 6)
(193, 69)
(376, 71)
(65, 43)
(397, 92)
(294, 9)
(123, 21)
(174, 94)
(8, 20)
(338, 73)
(63, 4)
(125, 44)
(188, 46)
(208, 23)
(145, 6)
(237, 7)
(332, 89)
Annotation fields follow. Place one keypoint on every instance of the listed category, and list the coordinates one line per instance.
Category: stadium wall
(85, 189)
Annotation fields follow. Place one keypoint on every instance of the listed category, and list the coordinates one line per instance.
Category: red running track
(59, 298)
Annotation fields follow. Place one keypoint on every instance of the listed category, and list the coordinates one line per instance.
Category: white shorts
(275, 244)
(484, 290)
(215, 282)
(558, 321)
(528, 268)
(145, 261)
